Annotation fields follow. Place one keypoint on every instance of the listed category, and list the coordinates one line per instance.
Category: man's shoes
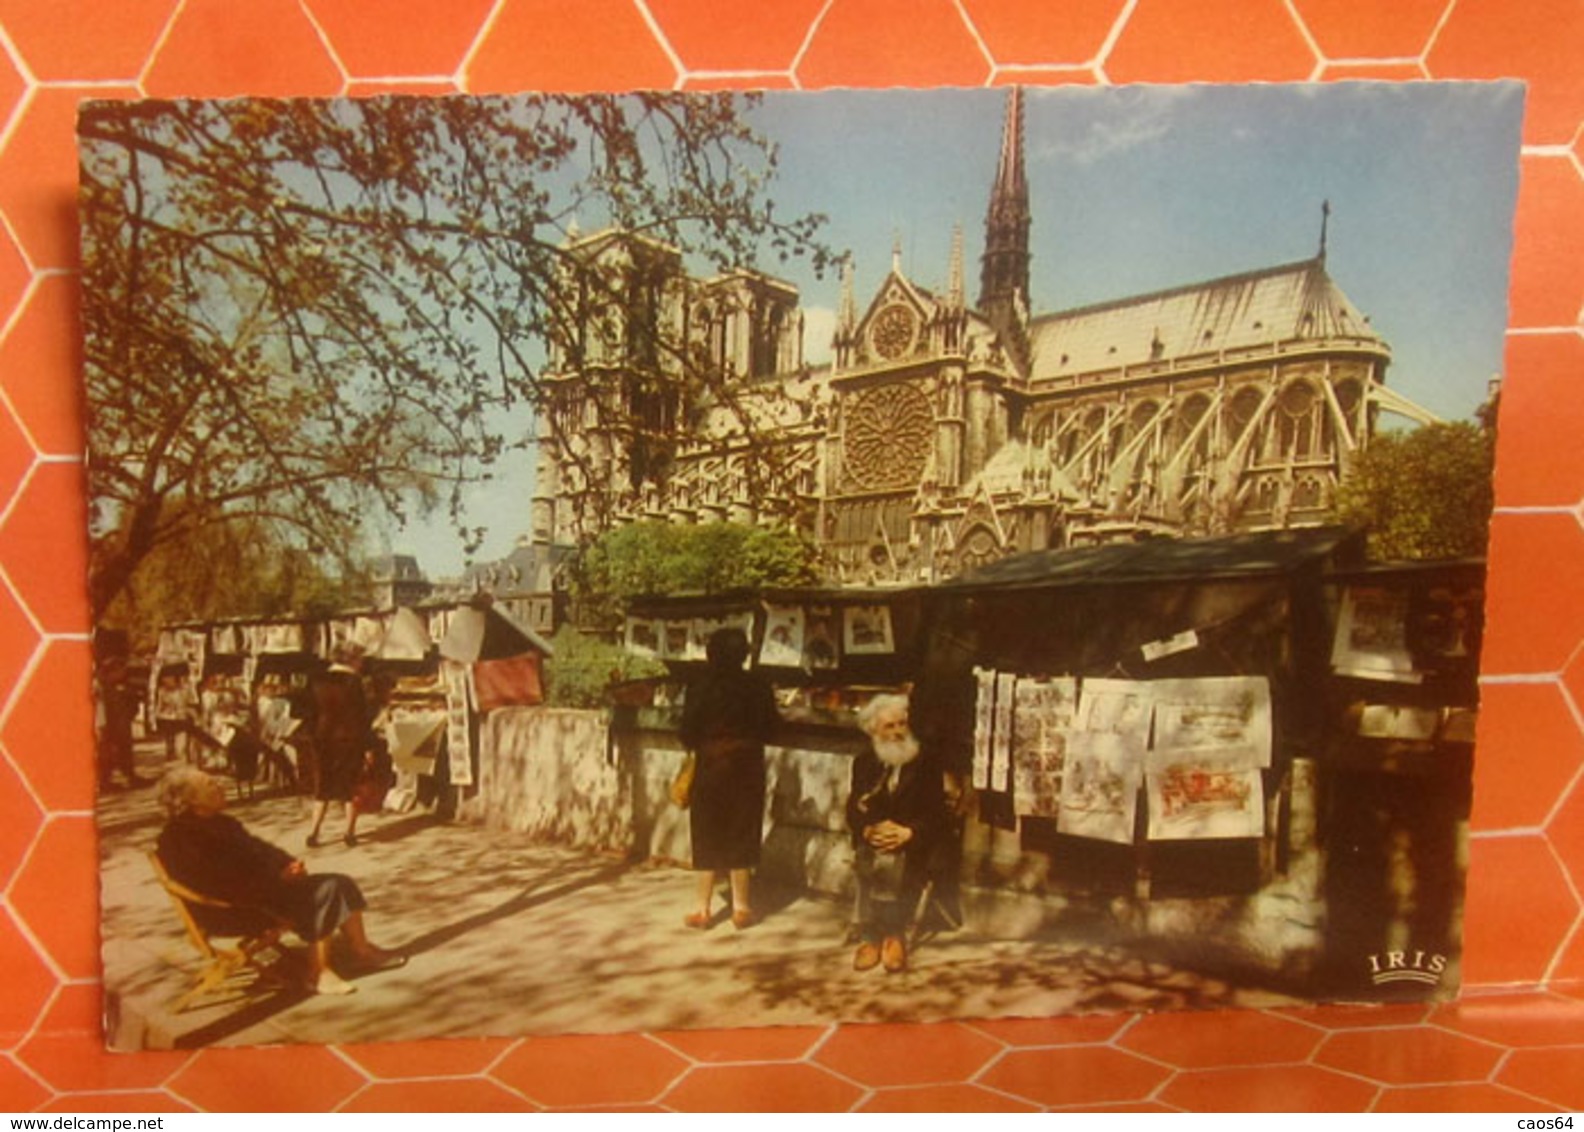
(351, 840)
(699, 920)
(313, 841)
(893, 953)
(744, 918)
(867, 957)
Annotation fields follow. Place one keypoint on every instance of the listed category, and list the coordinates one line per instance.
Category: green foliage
(309, 312)
(1422, 494)
(654, 558)
(240, 568)
(585, 666)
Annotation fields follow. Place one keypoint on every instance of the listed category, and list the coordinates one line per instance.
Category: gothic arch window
(1241, 414)
(1185, 419)
(1043, 429)
(1140, 479)
(766, 337)
(1348, 394)
(1070, 437)
(1309, 493)
(1264, 497)
(978, 547)
(1098, 441)
(1301, 421)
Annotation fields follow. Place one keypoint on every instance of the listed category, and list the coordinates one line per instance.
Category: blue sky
(1138, 189)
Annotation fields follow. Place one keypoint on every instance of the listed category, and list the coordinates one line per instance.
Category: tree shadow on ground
(553, 886)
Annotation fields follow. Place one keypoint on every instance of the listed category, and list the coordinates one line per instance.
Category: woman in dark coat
(339, 719)
(728, 717)
(211, 853)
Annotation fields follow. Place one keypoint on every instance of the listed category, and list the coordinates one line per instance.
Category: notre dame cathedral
(943, 433)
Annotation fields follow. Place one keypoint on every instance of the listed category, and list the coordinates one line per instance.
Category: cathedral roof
(1296, 301)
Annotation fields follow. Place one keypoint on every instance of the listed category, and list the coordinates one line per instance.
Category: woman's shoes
(744, 918)
(313, 841)
(867, 957)
(699, 920)
(329, 982)
(381, 960)
(351, 840)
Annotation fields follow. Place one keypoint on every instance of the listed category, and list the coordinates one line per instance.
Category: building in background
(946, 433)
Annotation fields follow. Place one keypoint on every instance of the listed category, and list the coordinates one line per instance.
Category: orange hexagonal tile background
(1521, 1048)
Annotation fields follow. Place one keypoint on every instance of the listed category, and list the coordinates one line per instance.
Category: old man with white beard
(895, 811)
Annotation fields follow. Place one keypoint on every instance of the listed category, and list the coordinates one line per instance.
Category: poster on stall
(281, 637)
(1100, 785)
(1001, 734)
(1196, 799)
(227, 640)
(459, 717)
(866, 630)
(1398, 721)
(701, 629)
(368, 632)
(1042, 720)
(1119, 707)
(1371, 640)
(783, 637)
(1225, 718)
(984, 725)
(820, 639)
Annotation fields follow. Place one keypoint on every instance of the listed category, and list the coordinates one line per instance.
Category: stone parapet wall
(548, 772)
(566, 776)
(805, 842)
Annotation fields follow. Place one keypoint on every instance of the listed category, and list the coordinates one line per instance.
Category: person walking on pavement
(340, 723)
(728, 716)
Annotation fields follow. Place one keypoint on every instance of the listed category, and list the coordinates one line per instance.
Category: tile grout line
(158, 46)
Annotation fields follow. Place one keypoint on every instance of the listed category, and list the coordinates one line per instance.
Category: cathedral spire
(1004, 271)
(1325, 221)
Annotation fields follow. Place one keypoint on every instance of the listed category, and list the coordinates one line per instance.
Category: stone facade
(945, 434)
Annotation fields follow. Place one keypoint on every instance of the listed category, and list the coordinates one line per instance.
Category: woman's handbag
(682, 784)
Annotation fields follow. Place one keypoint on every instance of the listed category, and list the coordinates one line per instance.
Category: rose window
(890, 431)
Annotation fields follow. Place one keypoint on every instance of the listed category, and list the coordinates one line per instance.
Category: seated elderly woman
(895, 811)
(211, 853)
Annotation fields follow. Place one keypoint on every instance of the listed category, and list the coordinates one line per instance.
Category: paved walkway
(508, 937)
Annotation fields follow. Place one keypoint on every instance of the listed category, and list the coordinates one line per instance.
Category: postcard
(400, 408)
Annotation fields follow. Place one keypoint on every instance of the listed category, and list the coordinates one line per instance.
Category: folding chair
(206, 919)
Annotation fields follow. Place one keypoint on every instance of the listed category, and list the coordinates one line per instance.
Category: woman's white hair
(880, 706)
(179, 787)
